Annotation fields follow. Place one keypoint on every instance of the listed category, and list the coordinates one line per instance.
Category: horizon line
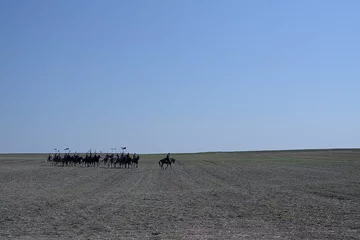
(202, 152)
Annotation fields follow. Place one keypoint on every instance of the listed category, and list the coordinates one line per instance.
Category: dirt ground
(254, 195)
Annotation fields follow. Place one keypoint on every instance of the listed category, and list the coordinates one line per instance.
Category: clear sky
(179, 76)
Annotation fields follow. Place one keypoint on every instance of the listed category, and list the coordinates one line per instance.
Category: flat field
(240, 195)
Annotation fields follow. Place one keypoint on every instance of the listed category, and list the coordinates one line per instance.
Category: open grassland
(240, 195)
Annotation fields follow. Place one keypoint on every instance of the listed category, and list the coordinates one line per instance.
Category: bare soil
(254, 195)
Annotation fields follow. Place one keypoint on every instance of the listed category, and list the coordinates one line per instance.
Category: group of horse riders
(94, 160)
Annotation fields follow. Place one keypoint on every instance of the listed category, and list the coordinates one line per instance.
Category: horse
(49, 159)
(96, 160)
(105, 159)
(110, 161)
(135, 160)
(127, 161)
(165, 161)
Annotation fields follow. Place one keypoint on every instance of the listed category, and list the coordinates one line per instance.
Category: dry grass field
(240, 195)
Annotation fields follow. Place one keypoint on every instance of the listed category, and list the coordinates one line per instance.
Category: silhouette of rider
(168, 157)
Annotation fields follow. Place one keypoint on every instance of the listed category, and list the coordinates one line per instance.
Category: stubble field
(244, 195)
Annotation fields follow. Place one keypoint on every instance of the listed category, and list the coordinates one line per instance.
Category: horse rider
(134, 156)
(168, 157)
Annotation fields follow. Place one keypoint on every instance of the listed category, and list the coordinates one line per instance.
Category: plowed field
(250, 195)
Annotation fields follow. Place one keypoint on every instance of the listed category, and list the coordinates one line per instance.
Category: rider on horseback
(168, 157)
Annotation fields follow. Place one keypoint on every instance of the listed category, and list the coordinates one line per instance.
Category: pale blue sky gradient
(179, 76)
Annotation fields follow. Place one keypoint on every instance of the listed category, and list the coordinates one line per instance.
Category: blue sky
(179, 76)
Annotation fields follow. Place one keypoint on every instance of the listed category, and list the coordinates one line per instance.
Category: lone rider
(168, 157)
